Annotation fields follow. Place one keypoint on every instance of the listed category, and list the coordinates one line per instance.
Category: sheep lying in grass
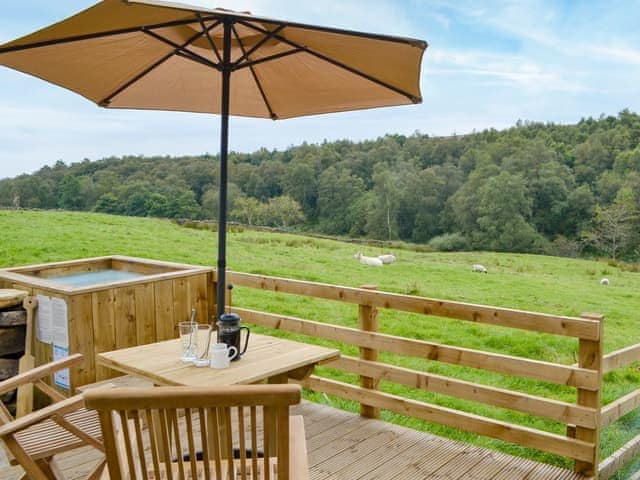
(387, 258)
(371, 261)
(479, 268)
(604, 281)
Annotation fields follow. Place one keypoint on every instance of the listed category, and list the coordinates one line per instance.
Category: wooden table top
(266, 358)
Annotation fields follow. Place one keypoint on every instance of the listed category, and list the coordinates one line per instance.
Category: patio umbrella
(150, 54)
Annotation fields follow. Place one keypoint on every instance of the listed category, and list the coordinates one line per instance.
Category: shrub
(450, 242)
(565, 247)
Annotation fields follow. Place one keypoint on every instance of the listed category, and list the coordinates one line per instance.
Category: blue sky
(488, 65)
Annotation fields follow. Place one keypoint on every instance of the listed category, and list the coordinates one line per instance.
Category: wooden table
(267, 358)
(270, 359)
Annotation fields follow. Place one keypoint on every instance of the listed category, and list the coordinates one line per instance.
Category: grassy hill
(530, 282)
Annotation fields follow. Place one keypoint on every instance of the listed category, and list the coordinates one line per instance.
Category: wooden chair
(234, 432)
(33, 440)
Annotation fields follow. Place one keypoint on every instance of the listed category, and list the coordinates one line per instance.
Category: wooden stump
(12, 341)
(10, 297)
(13, 319)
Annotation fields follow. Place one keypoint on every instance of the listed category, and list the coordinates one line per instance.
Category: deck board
(344, 446)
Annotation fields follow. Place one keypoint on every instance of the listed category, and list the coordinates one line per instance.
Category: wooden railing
(582, 419)
(618, 409)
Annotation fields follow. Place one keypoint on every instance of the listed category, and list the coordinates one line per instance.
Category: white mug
(221, 355)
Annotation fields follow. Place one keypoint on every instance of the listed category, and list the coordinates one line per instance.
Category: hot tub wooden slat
(164, 310)
(125, 309)
(81, 338)
(145, 314)
(104, 322)
(123, 314)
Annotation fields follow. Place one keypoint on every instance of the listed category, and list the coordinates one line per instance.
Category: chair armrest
(298, 461)
(38, 373)
(60, 408)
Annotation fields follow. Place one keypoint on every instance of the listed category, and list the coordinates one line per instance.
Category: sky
(488, 65)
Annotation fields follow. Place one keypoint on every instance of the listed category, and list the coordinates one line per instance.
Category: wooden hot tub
(113, 302)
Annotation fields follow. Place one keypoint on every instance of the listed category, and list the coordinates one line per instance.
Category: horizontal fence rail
(619, 408)
(581, 418)
(521, 402)
(538, 439)
(537, 322)
(620, 358)
(619, 459)
(505, 364)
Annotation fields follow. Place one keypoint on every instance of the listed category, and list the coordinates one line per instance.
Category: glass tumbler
(189, 341)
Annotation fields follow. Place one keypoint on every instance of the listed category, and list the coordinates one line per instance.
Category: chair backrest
(233, 432)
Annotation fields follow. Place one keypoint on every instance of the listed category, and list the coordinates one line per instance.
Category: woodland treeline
(544, 188)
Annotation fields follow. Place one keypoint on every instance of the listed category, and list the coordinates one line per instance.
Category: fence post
(368, 318)
(590, 353)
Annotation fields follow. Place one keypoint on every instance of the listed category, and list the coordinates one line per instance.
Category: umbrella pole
(224, 151)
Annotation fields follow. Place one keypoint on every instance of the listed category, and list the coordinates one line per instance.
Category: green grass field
(529, 282)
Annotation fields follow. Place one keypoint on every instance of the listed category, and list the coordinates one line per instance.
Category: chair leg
(55, 470)
(97, 472)
(45, 467)
(32, 469)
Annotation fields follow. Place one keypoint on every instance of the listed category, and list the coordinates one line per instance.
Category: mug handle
(235, 352)
(246, 340)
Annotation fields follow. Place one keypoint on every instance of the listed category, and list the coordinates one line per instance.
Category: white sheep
(604, 281)
(479, 268)
(387, 258)
(371, 261)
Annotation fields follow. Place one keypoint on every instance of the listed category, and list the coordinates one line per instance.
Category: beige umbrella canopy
(149, 54)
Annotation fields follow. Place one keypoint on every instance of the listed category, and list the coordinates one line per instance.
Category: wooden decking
(343, 446)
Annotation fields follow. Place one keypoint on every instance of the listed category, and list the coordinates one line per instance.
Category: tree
(382, 218)
(580, 206)
(137, 204)
(211, 200)
(108, 203)
(283, 212)
(264, 182)
(337, 192)
(423, 201)
(461, 210)
(157, 205)
(592, 158)
(70, 197)
(612, 229)
(300, 182)
(182, 204)
(503, 213)
(246, 210)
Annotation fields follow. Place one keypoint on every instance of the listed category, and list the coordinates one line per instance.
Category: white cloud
(515, 69)
(589, 37)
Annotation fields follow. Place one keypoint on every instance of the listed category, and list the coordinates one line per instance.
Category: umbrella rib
(91, 36)
(339, 64)
(183, 51)
(207, 31)
(245, 54)
(105, 102)
(275, 56)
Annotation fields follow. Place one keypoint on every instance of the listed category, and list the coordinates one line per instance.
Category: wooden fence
(582, 418)
(615, 410)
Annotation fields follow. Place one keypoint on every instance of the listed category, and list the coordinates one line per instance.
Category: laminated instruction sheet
(52, 327)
